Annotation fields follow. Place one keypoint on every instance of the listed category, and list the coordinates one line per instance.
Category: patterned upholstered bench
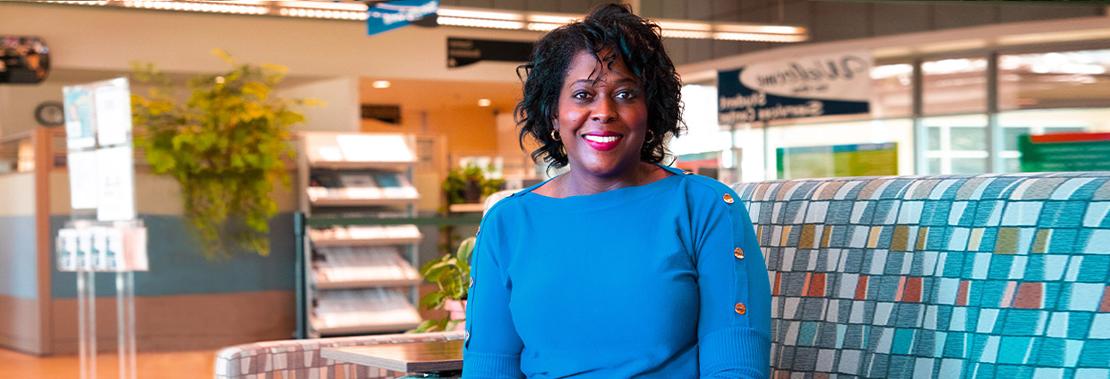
(300, 359)
(994, 276)
(988, 276)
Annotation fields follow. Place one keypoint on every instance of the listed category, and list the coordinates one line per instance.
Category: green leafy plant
(226, 145)
(468, 183)
(451, 275)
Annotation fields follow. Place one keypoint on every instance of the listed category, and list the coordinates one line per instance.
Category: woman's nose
(603, 110)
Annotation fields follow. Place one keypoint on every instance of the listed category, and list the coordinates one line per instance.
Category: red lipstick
(602, 141)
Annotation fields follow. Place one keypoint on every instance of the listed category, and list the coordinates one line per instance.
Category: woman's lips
(603, 142)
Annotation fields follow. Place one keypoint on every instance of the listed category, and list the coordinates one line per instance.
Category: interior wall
(18, 103)
(20, 320)
(467, 131)
(339, 106)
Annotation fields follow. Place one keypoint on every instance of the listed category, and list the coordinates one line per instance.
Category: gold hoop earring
(555, 135)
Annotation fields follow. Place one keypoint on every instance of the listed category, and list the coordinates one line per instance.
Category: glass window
(892, 90)
(960, 144)
(934, 138)
(1010, 136)
(1068, 79)
(934, 166)
(968, 138)
(876, 147)
(954, 86)
(969, 166)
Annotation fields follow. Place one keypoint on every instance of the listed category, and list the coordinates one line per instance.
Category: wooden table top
(405, 357)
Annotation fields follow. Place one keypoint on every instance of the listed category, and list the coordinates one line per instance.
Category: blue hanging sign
(386, 16)
(833, 84)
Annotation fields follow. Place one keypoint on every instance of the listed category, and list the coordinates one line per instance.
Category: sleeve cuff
(484, 365)
(736, 352)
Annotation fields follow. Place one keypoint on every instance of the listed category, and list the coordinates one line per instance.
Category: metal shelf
(364, 328)
(336, 242)
(366, 283)
(348, 165)
(337, 201)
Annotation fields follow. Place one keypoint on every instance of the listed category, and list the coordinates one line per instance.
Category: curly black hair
(636, 41)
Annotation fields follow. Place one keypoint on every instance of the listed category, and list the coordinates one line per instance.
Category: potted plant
(226, 145)
(469, 184)
(451, 275)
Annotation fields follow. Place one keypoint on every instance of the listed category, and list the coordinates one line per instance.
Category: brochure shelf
(359, 278)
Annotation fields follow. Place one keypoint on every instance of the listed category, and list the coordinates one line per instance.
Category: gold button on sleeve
(741, 309)
(728, 198)
(738, 253)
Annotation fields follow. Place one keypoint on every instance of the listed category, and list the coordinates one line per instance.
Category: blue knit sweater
(663, 280)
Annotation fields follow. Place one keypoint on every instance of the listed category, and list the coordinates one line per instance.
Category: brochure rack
(358, 279)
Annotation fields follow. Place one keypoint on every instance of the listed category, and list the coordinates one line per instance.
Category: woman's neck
(580, 182)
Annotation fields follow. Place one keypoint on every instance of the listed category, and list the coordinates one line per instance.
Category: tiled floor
(170, 365)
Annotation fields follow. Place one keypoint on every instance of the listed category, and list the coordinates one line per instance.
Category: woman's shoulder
(502, 204)
(705, 188)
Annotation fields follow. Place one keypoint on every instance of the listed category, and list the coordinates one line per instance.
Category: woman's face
(602, 118)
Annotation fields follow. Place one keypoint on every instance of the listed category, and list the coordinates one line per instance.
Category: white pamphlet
(113, 112)
(116, 184)
(82, 179)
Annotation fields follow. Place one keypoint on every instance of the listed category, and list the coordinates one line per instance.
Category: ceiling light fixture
(381, 84)
(484, 103)
(686, 29)
(461, 17)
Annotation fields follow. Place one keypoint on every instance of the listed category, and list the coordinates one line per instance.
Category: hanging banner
(386, 16)
(833, 84)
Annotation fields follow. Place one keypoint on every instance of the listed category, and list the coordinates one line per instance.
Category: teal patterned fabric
(993, 276)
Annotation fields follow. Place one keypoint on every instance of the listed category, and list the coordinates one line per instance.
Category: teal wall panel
(177, 266)
(18, 267)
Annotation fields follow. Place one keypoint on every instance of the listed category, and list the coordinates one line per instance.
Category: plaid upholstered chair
(993, 276)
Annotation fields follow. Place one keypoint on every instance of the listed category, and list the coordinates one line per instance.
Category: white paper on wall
(80, 117)
(116, 184)
(113, 112)
(82, 179)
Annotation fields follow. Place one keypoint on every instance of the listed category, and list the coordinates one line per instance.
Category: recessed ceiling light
(380, 84)
(484, 102)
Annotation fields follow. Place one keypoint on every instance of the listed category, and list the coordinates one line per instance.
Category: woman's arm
(734, 319)
(492, 347)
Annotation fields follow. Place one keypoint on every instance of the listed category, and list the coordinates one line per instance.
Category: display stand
(357, 279)
(102, 181)
(86, 248)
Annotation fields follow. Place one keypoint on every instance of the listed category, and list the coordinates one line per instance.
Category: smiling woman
(608, 76)
(621, 267)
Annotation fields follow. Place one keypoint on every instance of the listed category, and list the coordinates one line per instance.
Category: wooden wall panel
(185, 322)
(20, 325)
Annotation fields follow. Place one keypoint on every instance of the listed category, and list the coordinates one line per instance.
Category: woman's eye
(581, 95)
(625, 95)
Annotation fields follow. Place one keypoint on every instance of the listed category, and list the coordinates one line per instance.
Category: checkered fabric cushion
(938, 276)
(300, 359)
